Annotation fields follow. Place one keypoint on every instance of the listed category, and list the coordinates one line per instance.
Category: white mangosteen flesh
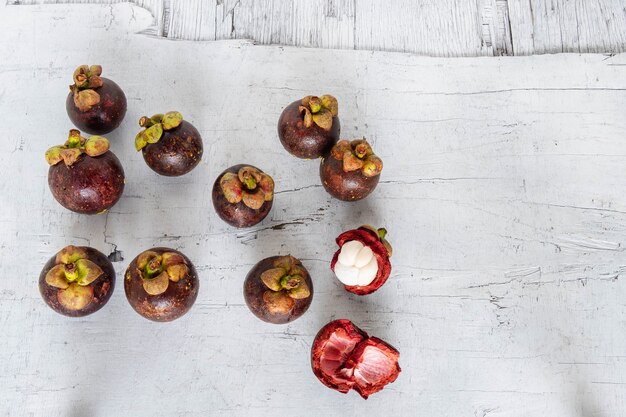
(356, 264)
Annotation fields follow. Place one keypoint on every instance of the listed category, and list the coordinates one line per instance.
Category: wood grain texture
(426, 27)
(503, 194)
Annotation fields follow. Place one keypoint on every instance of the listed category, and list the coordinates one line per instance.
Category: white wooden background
(426, 27)
(503, 192)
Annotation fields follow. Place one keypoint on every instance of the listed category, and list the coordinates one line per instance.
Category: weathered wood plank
(442, 28)
(502, 192)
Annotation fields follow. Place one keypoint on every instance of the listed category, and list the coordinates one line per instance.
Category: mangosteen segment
(344, 357)
(278, 289)
(77, 281)
(243, 195)
(362, 261)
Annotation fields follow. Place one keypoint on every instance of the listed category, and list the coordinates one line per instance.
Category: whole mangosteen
(84, 176)
(308, 128)
(243, 195)
(351, 171)
(278, 289)
(95, 104)
(344, 357)
(77, 281)
(362, 261)
(170, 145)
(161, 284)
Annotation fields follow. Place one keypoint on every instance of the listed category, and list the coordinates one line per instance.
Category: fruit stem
(382, 232)
(71, 272)
(153, 267)
(73, 140)
(145, 121)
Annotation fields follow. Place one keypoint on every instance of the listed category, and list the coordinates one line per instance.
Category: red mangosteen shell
(105, 116)
(305, 142)
(237, 215)
(90, 185)
(344, 357)
(175, 302)
(368, 238)
(102, 287)
(177, 152)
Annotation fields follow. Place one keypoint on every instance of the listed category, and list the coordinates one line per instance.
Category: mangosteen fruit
(77, 281)
(84, 176)
(243, 195)
(161, 284)
(362, 261)
(351, 171)
(170, 145)
(95, 104)
(308, 128)
(344, 357)
(278, 289)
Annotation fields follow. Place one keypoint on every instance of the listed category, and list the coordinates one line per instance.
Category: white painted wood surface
(503, 192)
(425, 27)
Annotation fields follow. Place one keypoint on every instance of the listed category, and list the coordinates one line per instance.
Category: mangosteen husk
(247, 207)
(95, 104)
(81, 295)
(308, 128)
(276, 296)
(167, 291)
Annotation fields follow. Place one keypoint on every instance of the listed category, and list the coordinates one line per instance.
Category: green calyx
(86, 80)
(72, 275)
(319, 110)
(154, 127)
(75, 146)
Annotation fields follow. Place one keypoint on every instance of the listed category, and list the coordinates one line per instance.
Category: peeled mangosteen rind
(97, 291)
(171, 152)
(175, 301)
(228, 194)
(381, 249)
(302, 141)
(339, 371)
(90, 185)
(97, 107)
(277, 307)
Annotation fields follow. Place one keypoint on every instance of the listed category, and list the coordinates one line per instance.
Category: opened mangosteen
(344, 357)
(243, 195)
(278, 289)
(161, 284)
(95, 104)
(362, 261)
(84, 176)
(170, 145)
(308, 128)
(351, 171)
(77, 281)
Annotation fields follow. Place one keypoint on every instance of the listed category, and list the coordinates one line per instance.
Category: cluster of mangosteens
(310, 128)
(161, 284)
